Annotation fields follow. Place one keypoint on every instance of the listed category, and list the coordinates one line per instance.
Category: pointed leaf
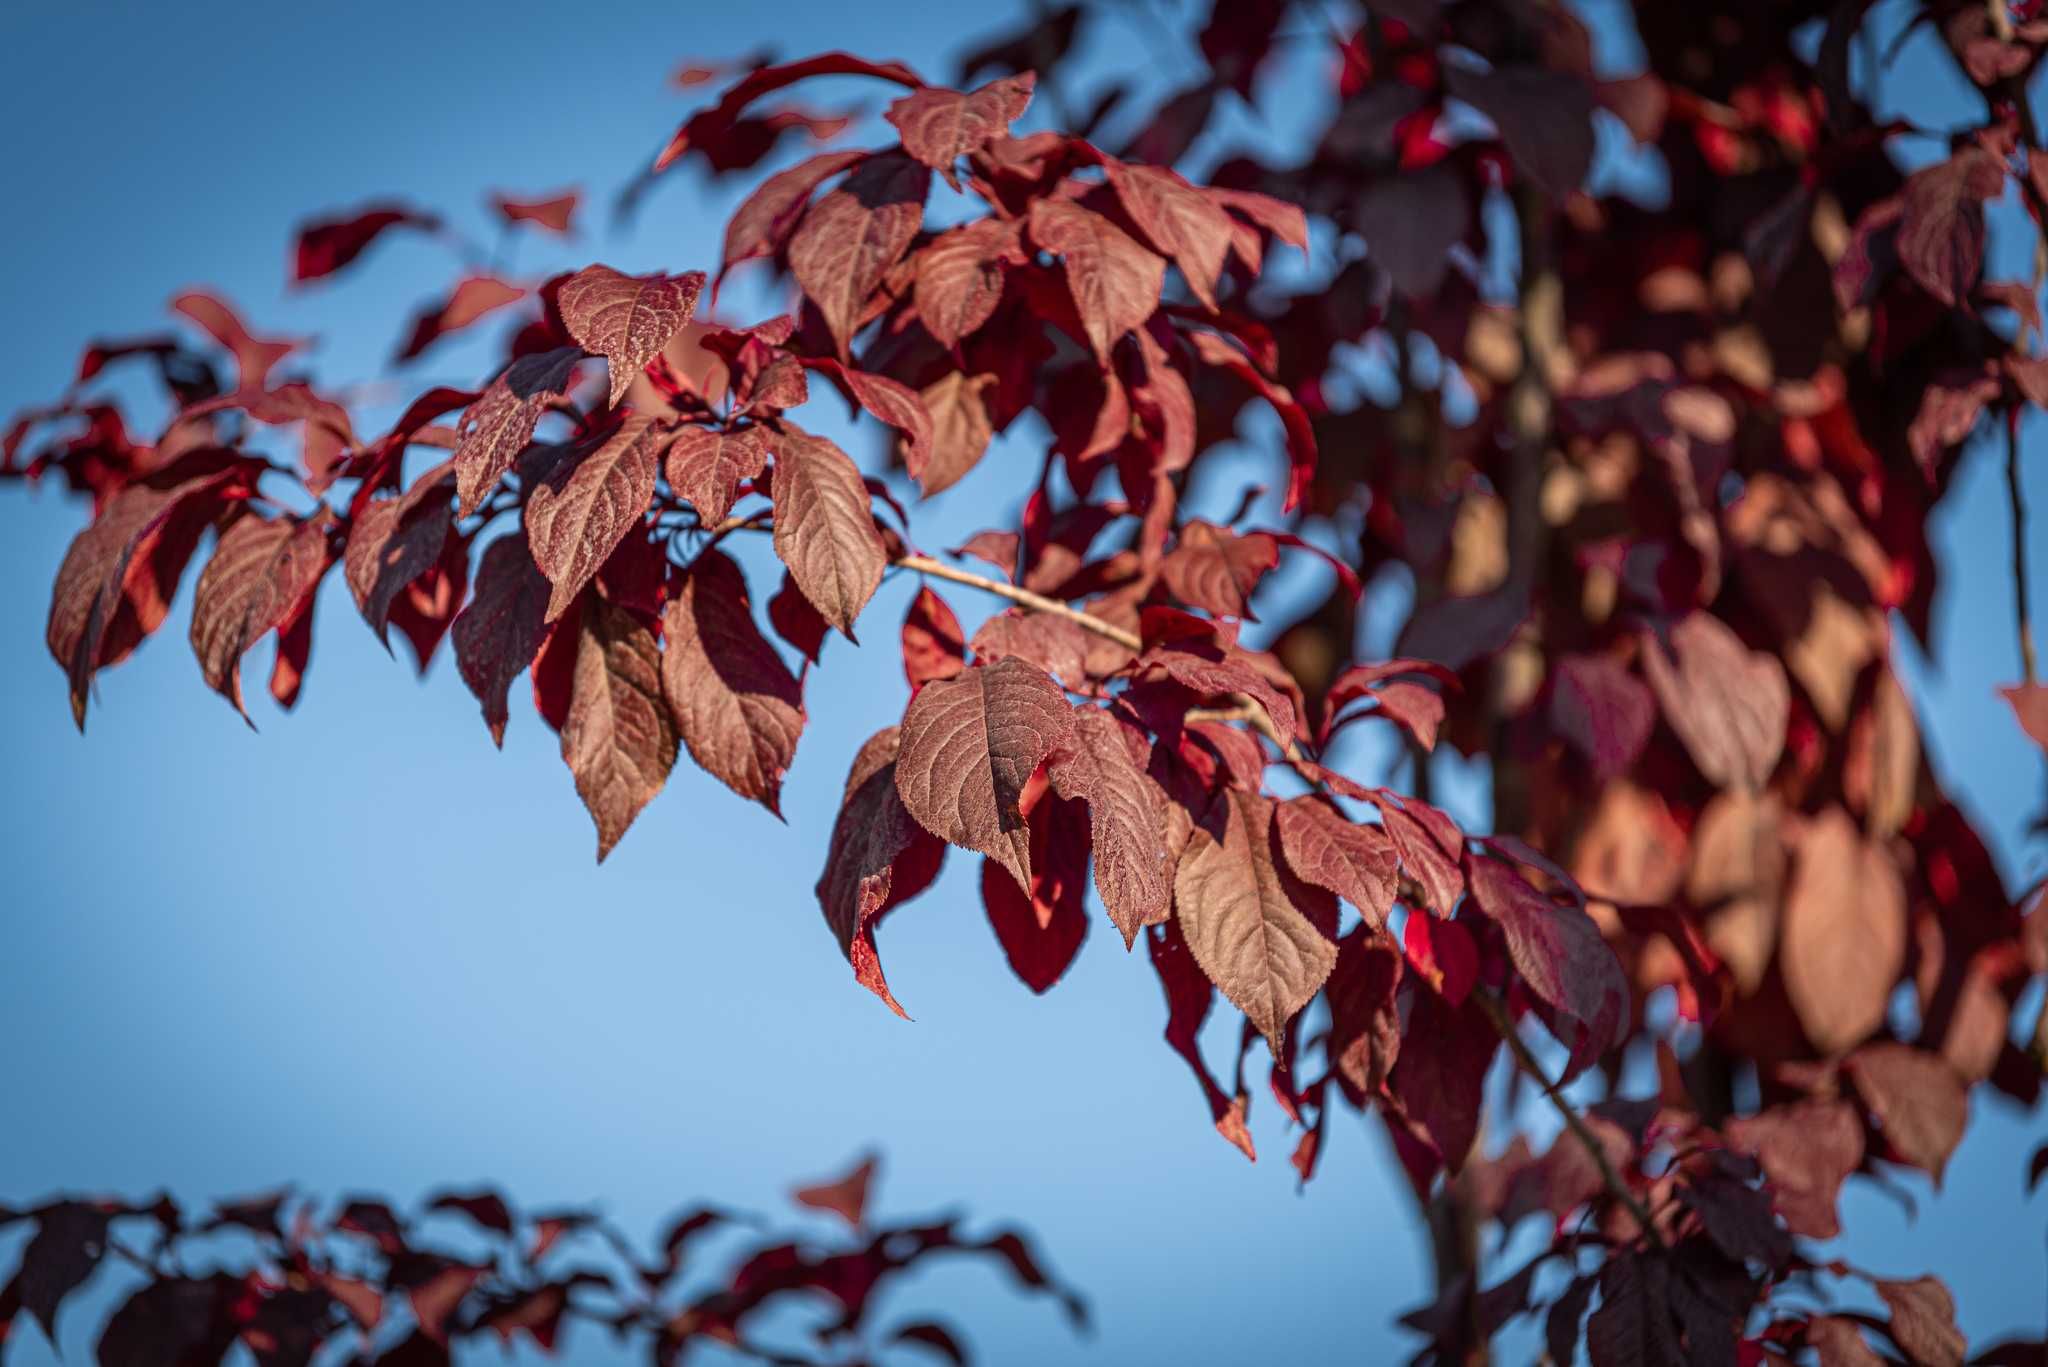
(618, 738)
(1102, 762)
(1328, 849)
(496, 428)
(737, 705)
(261, 570)
(824, 529)
(706, 465)
(940, 126)
(970, 744)
(1264, 937)
(499, 633)
(580, 514)
(849, 239)
(627, 319)
(1114, 282)
(878, 856)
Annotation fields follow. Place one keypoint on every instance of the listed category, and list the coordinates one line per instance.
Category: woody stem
(1526, 1061)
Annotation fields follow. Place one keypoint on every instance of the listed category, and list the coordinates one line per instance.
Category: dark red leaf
(933, 647)
(824, 530)
(878, 856)
(500, 632)
(1102, 762)
(970, 744)
(1042, 932)
(496, 428)
(1265, 938)
(618, 737)
(471, 300)
(738, 707)
(260, 572)
(1114, 282)
(849, 239)
(940, 126)
(577, 517)
(324, 246)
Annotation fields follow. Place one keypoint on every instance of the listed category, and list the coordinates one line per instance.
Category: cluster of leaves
(1660, 471)
(291, 1282)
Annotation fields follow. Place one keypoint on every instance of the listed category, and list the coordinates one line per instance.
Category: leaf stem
(1616, 1187)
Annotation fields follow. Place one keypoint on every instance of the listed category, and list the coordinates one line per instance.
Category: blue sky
(364, 950)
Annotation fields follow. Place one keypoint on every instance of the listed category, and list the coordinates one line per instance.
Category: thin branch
(2017, 501)
(1616, 1187)
(1037, 602)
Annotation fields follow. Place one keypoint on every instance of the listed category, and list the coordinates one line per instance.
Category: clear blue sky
(363, 950)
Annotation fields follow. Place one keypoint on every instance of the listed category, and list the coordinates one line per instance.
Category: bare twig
(1616, 1187)
(1037, 602)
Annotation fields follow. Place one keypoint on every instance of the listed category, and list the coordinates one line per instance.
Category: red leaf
(738, 707)
(1440, 1077)
(1114, 282)
(394, 542)
(933, 647)
(846, 1197)
(960, 277)
(1102, 762)
(1727, 703)
(970, 744)
(1807, 1149)
(1181, 222)
(940, 126)
(255, 358)
(586, 507)
(499, 633)
(1263, 937)
(1294, 420)
(718, 120)
(1443, 955)
(824, 529)
(471, 300)
(1042, 932)
(1843, 938)
(1558, 952)
(796, 621)
(849, 239)
(618, 738)
(1054, 644)
(1216, 569)
(1941, 224)
(878, 856)
(960, 430)
(1328, 849)
(1365, 1018)
(762, 224)
(2030, 704)
(496, 428)
(1632, 1327)
(1603, 710)
(326, 245)
(120, 574)
(1917, 1100)
(627, 319)
(889, 400)
(552, 213)
(1435, 865)
(706, 465)
(259, 573)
